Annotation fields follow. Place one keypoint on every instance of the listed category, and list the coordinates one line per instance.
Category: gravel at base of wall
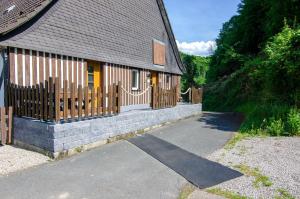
(56, 138)
(14, 159)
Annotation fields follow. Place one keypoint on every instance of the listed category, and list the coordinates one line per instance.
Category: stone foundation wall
(60, 138)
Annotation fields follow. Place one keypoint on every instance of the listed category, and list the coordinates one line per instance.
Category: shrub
(293, 122)
(275, 127)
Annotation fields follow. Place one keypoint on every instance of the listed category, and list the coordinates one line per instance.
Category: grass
(284, 194)
(260, 179)
(186, 191)
(226, 193)
(236, 138)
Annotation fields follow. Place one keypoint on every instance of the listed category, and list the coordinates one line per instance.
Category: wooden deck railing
(50, 101)
(6, 125)
(163, 98)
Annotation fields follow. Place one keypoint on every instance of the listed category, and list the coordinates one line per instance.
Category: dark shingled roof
(14, 13)
(114, 31)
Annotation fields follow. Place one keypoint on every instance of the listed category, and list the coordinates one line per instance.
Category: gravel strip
(13, 159)
(276, 158)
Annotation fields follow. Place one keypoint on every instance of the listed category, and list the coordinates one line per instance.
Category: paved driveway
(121, 170)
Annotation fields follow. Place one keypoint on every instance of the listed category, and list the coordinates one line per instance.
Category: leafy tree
(196, 69)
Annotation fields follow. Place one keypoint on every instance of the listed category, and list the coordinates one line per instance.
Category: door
(94, 74)
(154, 78)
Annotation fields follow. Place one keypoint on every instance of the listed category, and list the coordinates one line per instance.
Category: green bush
(275, 127)
(293, 122)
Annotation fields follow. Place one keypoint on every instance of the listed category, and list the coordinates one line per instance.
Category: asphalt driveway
(121, 169)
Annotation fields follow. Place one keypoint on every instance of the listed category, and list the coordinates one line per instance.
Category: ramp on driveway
(121, 170)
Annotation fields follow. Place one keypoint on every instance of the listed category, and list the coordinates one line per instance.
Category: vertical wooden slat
(41, 97)
(119, 97)
(109, 99)
(65, 93)
(12, 65)
(51, 98)
(104, 101)
(114, 99)
(29, 101)
(57, 99)
(37, 105)
(41, 67)
(18, 99)
(79, 102)
(72, 100)
(99, 101)
(47, 67)
(20, 66)
(33, 101)
(3, 126)
(93, 102)
(27, 68)
(46, 100)
(10, 118)
(34, 68)
(25, 101)
(86, 101)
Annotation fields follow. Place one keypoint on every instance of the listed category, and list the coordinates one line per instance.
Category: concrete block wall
(58, 138)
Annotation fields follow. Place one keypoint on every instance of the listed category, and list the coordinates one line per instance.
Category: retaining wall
(58, 139)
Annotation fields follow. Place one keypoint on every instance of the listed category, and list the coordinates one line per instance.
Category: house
(91, 43)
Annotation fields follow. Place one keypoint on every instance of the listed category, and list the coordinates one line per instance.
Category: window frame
(137, 80)
(90, 83)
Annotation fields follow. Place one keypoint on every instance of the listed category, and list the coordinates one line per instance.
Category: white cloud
(197, 48)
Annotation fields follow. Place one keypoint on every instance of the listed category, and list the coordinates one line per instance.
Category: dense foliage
(256, 67)
(196, 69)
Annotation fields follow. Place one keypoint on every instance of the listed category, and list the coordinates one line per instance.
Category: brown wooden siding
(28, 67)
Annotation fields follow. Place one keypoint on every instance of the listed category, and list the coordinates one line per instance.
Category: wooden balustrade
(50, 101)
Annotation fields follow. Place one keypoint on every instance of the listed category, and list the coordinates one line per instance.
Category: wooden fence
(163, 98)
(6, 125)
(50, 101)
(196, 95)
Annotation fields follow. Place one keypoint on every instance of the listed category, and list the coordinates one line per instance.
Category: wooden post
(93, 102)
(79, 102)
(109, 99)
(3, 126)
(119, 97)
(104, 95)
(33, 101)
(65, 96)
(114, 99)
(72, 100)
(51, 98)
(10, 118)
(46, 100)
(25, 111)
(86, 102)
(57, 100)
(99, 101)
(41, 97)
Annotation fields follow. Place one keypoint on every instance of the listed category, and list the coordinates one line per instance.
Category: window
(91, 76)
(135, 80)
(159, 53)
(168, 81)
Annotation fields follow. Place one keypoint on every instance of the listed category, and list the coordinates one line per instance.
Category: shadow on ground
(222, 121)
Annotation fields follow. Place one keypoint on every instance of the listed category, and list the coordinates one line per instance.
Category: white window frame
(137, 73)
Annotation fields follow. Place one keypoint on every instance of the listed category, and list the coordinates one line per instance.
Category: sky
(197, 23)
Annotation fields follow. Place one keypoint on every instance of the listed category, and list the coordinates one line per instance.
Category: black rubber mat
(199, 171)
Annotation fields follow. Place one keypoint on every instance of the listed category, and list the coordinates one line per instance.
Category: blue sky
(197, 23)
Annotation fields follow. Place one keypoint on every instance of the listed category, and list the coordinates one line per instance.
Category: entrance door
(154, 78)
(94, 74)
